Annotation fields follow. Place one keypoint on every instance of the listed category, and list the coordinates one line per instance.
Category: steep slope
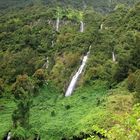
(4, 4)
(38, 40)
(33, 29)
(102, 6)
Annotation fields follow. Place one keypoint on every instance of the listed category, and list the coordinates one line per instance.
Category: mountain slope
(39, 58)
(102, 6)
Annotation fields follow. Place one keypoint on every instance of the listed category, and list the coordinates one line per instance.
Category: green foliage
(131, 81)
(28, 34)
(128, 128)
(19, 133)
(7, 107)
(138, 86)
(54, 115)
(22, 90)
(1, 87)
(28, 37)
(39, 77)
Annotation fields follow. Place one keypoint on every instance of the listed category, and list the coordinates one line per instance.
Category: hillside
(103, 6)
(44, 46)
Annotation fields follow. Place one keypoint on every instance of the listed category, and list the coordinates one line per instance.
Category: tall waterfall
(113, 57)
(81, 26)
(76, 76)
(9, 136)
(57, 24)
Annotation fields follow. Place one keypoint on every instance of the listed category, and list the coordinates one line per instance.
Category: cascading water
(52, 44)
(57, 24)
(81, 26)
(9, 136)
(76, 76)
(101, 26)
(38, 137)
(46, 64)
(113, 57)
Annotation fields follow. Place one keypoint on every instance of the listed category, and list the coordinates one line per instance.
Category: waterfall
(38, 137)
(49, 22)
(52, 44)
(113, 57)
(101, 26)
(76, 76)
(9, 136)
(46, 64)
(57, 24)
(81, 26)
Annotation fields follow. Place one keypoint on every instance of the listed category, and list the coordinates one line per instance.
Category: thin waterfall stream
(113, 57)
(52, 43)
(9, 136)
(101, 26)
(57, 24)
(46, 64)
(81, 27)
(74, 80)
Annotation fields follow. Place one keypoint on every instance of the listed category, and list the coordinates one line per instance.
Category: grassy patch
(56, 117)
(6, 108)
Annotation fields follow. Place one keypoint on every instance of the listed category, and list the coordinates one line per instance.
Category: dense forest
(102, 6)
(91, 47)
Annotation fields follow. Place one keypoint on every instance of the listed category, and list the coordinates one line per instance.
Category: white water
(9, 136)
(38, 138)
(113, 57)
(81, 26)
(76, 76)
(101, 26)
(46, 64)
(57, 24)
(49, 22)
(52, 44)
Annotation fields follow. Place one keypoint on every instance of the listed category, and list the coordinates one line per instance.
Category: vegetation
(38, 62)
(22, 90)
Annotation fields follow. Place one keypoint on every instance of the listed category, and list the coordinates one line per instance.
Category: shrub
(131, 81)
(1, 86)
(22, 90)
(138, 86)
(39, 77)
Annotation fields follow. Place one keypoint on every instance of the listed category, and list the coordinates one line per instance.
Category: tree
(22, 90)
(40, 77)
(131, 81)
(1, 86)
(138, 86)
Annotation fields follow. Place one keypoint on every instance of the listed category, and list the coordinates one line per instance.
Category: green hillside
(102, 6)
(42, 46)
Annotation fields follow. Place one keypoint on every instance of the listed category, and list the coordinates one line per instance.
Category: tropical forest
(69, 69)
